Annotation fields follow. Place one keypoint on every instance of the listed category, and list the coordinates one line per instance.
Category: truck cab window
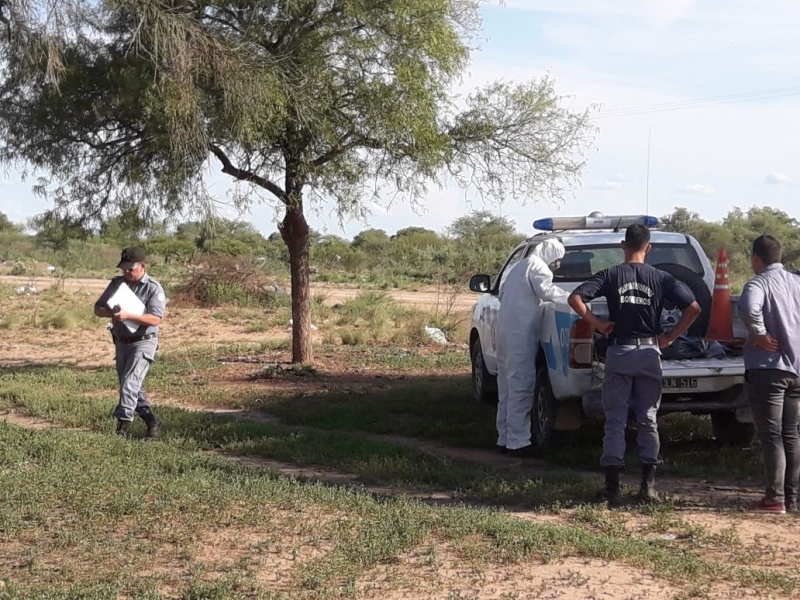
(581, 262)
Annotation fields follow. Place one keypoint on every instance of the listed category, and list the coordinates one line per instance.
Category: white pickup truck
(569, 360)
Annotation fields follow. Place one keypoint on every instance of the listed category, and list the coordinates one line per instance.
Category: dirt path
(305, 473)
(429, 297)
(687, 494)
(767, 541)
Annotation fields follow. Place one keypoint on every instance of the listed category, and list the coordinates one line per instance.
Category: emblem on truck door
(564, 321)
(558, 358)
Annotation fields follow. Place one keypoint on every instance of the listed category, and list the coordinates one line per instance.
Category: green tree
(711, 236)
(417, 236)
(482, 225)
(681, 220)
(371, 240)
(745, 227)
(7, 226)
(329, 251)
(299, 101)
(130, 225)
(54, 231)
(229, 237)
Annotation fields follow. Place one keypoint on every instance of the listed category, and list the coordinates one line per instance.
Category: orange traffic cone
(720, 326)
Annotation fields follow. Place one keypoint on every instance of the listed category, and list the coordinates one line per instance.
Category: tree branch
(241, 174)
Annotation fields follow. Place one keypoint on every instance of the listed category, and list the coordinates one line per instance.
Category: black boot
(123, 429)
(152, 421)
(610, 493)
(790, 499)
(647, 492)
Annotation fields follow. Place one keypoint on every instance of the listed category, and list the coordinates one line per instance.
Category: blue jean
(632, 383)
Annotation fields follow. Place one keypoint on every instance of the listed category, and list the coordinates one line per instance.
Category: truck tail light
(581, 348)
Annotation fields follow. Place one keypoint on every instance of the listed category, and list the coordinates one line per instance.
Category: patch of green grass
(370, 460)
(687, 447)
(391, 357)
(436, 408)
(119, 508)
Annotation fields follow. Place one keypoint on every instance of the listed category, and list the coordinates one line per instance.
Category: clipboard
(127, 301)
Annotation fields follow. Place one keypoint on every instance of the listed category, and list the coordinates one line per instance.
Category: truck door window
(515, 257)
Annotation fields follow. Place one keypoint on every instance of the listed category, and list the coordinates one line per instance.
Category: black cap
(130, 256)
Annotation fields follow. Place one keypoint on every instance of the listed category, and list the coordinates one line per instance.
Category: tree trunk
(294, 231)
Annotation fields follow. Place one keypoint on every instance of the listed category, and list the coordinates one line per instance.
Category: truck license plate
(679, 383)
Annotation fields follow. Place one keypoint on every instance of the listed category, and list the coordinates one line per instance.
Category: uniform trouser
(632, 383)
(516, 380)
(774, 396)
(133, 361)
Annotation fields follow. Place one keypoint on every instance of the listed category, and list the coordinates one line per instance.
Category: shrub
(224, 280)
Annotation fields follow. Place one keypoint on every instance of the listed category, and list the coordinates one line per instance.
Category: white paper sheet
(129, 302)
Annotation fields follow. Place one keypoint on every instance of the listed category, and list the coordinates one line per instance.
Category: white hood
(549, 251)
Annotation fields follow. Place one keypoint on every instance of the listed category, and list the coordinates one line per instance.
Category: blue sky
(743, 150)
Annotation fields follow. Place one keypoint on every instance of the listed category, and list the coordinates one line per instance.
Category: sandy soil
(429, 297)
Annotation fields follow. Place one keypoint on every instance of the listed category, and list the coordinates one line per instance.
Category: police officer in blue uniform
(135, 350)
(635, 292)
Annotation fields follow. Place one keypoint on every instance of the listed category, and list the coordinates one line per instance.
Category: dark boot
(529, 451)
(791, 500)
(610, 493)
(153, 423)
(123, 429)
(647, 492)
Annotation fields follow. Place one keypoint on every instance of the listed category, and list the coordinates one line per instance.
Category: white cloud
(696, 188)
(618, 178)
(608, 184)
(777, 178)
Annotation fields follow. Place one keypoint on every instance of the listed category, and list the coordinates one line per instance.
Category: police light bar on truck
(594, 221)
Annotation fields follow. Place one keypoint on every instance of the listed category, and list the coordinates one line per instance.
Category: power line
(699, 103)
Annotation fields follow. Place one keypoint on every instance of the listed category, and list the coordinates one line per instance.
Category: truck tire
(484, 384)
(730, 432)
(544, 412)
(701, 293)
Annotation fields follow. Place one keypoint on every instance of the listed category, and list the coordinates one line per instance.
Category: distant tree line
(479, 241)
(736, 232)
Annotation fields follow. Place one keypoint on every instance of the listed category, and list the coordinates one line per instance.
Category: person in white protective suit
(523, 292)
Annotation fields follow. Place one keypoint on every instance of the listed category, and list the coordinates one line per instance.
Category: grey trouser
(632, 384)
(774, 396)
(133, 361)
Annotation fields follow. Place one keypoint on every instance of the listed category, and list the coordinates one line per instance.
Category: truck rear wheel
(484, 384)
(730, 432)
(543, 415)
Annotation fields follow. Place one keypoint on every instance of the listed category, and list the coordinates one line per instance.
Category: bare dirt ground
(427, 297)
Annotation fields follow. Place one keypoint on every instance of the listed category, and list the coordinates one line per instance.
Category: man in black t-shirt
(635, 293)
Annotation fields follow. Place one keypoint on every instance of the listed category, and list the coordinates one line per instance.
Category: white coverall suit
(522, 294)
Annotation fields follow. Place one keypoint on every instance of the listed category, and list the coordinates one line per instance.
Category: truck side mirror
(480, 283)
